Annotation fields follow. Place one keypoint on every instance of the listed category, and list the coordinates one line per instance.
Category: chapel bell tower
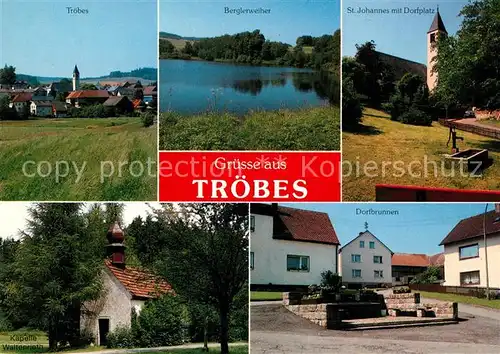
(116, 248)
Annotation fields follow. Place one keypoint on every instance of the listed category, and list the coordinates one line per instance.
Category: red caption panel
(249, 176)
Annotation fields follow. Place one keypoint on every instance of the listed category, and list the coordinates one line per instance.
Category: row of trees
(200, 249)
(253, 48)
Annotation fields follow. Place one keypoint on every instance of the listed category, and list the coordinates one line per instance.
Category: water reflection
(187, 86)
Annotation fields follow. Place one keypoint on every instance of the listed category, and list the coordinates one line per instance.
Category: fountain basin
(469, 160)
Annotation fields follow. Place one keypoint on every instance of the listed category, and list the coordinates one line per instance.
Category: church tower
(437, 29)
(76, 79)
(116, 248)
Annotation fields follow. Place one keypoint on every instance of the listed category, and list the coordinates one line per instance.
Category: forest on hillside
(253, 48)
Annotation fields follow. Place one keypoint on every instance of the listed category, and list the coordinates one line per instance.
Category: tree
(87, 86)
(202, 250)
(467, 64)
(431, 275)
(57, 267)
(8, 75)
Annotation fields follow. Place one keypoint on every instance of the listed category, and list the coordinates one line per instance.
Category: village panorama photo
(78, 108)
(87, 277)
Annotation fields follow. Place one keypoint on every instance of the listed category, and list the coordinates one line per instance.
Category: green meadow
(77, 149)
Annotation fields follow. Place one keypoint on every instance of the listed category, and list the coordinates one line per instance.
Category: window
(252, 223)
(470, 251)
(251, 260)
(356, 273)
(378, 273)
(470, 278)
(300, 263)
(355, 258)
(433, 37)
(372, 244)
(361, 244)
(377, 259)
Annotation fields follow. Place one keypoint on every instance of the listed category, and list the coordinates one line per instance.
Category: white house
(126, 289)
(290, 247)
(366, 261)
(464, 252)
(41, 108)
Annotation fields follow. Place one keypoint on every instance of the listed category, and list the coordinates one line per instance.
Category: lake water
(198, 86)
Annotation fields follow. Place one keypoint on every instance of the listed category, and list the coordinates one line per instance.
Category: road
(282, 342)
(276, 330)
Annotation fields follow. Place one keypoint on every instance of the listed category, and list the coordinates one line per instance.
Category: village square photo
(399, 277)
(93, 276)
(89, 98)
(420, 103)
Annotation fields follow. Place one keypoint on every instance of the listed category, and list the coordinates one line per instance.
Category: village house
(464, 251)
(290, 248)
(150, 93)
(41, 108)
(126, 289)
(87, 97)
(405, 266)
(121, 103)
(21, 102)
(366, 262)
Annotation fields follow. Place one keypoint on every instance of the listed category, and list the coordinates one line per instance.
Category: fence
(459, 290)
(484, 131)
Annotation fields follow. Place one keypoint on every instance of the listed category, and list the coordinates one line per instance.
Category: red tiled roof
(473, 227)
(410, 260)
(88, 94)
(305, 225)
(149, 90)
(22, 97)
(437, 259)
(140, 284)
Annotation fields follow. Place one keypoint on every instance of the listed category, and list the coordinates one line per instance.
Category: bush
(162, 322)
(121, 337)
(331, 281)
(351, 105)
(415, 117)
(401, 290)
(147, 119)
(429, 276)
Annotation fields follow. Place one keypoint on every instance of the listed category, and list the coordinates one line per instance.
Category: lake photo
(192, 86)
(249, 77)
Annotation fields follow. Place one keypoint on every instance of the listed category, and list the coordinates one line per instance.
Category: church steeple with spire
(76, 78)
(436, 30)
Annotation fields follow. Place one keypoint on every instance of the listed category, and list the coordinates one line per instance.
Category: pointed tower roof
(437, 24)
(75, 71)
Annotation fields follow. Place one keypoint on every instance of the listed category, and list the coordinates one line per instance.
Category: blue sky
(40, 37)
(397, 34)
(419, 227)
(286, 21)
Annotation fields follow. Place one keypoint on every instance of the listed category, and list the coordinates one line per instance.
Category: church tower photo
(436, 30)
(76, 79)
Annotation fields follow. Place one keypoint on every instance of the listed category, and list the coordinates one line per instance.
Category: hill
(167, 35)
(149, 74)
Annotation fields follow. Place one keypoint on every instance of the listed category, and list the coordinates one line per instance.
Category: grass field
(83, 143)
(461, 299)
(39, 339)
(265, 295)
(389, 145)
(316, 128)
